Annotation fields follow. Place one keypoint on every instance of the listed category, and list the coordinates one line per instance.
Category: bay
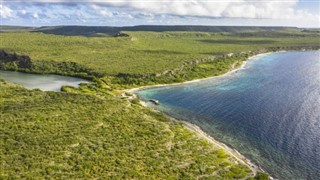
(269, 111)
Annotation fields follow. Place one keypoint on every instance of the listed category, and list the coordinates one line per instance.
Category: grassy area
(90, 134)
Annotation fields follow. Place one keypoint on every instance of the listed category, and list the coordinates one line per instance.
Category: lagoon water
(45, 82)
(269, 111)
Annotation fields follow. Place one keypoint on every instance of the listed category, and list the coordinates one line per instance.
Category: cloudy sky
(300, 13)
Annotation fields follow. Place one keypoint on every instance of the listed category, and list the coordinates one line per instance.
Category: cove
(44, 82)
(269, 111)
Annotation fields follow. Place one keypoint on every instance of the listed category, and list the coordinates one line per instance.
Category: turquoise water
(269, 111)
(45, 82)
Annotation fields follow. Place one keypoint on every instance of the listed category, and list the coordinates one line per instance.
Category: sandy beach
(233, 70)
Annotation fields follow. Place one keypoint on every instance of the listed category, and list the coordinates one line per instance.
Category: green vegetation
(91, 134)
(145, 58)
(262, 176)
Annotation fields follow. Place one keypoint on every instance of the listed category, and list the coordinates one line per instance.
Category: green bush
(261, 176)
(135, 101)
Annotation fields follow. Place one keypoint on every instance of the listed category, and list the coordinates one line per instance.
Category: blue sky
(303, 13)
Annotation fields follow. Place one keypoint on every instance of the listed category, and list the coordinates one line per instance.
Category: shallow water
(269, 111)
(45, 82)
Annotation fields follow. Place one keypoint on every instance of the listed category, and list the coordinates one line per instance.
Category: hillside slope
(90, 134)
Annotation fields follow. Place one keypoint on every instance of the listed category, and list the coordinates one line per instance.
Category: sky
(297, 13)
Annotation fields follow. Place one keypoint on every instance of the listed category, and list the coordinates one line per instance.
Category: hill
(103, 31)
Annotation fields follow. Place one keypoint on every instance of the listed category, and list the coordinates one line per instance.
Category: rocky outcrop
(14, 62)
(18, 61)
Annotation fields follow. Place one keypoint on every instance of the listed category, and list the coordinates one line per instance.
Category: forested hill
(103, 31)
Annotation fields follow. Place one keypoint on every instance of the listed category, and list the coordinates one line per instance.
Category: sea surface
(269, 111)
(45, 82)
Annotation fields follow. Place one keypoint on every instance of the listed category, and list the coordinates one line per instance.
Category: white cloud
(5, 12)
(35, 15)
(145, 11)
(102, 10)
(23, 12)
(266, 9)
(271, 9)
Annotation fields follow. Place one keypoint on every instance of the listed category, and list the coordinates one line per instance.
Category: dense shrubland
(144, 57)
(91, 132)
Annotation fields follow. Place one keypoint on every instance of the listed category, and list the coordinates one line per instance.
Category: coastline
(233, 70)
(231, 151)
(236, 155)
(132, 90)
(196, 129)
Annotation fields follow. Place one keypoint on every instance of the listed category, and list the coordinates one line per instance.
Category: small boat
(154, 101)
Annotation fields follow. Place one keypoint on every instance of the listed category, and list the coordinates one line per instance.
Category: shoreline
(196, 129)
(132, 90)
(233, 70)
(229, 150)
(236, 155)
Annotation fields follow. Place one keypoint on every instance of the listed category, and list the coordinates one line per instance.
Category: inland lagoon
(269, 111)
(44, 82)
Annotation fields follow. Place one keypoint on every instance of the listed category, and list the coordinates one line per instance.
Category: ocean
(269, 111)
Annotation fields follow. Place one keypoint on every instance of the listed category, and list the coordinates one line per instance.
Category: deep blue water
(269, 111)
